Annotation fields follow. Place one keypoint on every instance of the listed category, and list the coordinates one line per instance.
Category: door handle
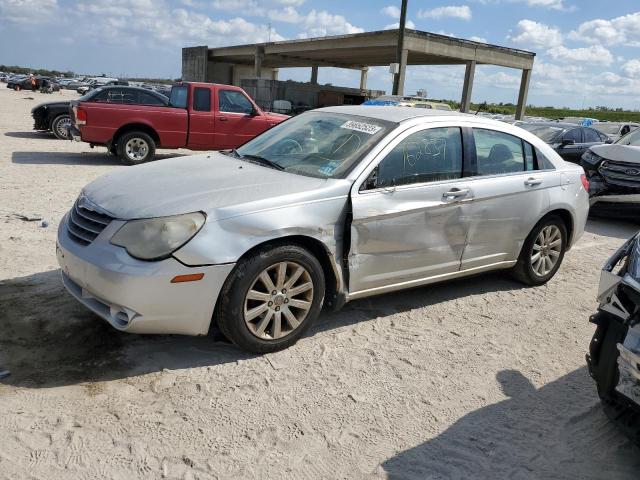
(223, 119)
(455, 193)
(532, 182)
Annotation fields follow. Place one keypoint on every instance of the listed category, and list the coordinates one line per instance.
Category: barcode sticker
(361, 127)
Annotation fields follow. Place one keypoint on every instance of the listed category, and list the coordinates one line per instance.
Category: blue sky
(588, 51)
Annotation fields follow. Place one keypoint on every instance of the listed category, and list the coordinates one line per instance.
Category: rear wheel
(60, 126)
(135, 148)
(542, 252)
(271, 299)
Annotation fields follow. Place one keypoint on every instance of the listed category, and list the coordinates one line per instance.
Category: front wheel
(60, 126)
(542, 252)
(271, 299)
(135, 148)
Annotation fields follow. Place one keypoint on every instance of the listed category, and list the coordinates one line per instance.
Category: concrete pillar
(522, 97)
(259, 56)
(195, 64)
(274, 73)
(363, 78)
(467, 88)
(314, 74)
(402, 72)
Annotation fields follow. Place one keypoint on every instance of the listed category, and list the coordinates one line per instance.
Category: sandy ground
(479, 378)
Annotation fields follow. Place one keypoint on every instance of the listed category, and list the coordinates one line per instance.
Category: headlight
(158, 238)
(591, 158)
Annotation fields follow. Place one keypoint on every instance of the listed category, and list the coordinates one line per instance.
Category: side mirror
(609, 140)
(254, 112)
(567, 141)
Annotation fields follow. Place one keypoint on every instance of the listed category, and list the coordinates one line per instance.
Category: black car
(614, 352)
(55, 116)
(568, 139)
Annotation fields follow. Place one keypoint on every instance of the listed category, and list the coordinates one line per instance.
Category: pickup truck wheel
(271, 298)
(60, 126)
(135, 148)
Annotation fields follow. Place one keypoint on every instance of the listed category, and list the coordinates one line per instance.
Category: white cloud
(478, 39)
(392, 11)
(624, 30)
(318, 24)
(552, 4)
(536, 35)
(594, 55)
(632, 68)
(462, 12)
(392, 26)
(27, 12)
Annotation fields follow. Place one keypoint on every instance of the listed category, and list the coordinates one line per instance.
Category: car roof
(393, 114)
(555, 124)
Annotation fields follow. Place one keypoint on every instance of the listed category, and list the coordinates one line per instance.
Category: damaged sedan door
(410, 213)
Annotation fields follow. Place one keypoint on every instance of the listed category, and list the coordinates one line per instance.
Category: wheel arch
(135, 127)
(568, 220)
(322, 254)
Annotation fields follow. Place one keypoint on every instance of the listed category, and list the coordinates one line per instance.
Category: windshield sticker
(361, 127)
(329, 168)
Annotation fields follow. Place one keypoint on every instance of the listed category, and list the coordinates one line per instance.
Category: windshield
(544, 132)
(318, 144)
(609, 129)
(632, 139)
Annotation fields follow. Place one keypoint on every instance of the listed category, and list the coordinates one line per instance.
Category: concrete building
(358, 51)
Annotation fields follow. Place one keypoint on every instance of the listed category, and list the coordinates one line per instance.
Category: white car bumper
(137, 296)
(631, 198)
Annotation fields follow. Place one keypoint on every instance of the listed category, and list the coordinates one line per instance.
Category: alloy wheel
(62, 127)
(278, 300)
(546, 250)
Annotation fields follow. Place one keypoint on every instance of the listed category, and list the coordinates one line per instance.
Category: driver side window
(430, 155)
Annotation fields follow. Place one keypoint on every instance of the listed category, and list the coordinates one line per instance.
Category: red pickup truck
(199, 116)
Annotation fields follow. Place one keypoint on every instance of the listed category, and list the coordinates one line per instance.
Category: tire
(129, 142)
(235, 309)
(605, 368)
(525, 270)
(58, 126)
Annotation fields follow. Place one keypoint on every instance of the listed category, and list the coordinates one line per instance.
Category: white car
(333, 205)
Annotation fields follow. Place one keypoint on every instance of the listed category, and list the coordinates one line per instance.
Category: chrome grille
(621, 173)
(85, 225)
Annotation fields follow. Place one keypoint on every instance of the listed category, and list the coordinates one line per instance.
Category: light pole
(401, 65)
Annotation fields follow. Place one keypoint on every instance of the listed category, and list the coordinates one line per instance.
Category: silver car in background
(333, 205)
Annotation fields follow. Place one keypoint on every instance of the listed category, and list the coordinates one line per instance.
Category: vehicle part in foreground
(614, 177)
(330, 206)
(614, 353)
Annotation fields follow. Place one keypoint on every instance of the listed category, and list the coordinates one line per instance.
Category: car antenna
(482, 106)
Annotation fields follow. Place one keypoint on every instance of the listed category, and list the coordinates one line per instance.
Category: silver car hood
(214, 183)
(618, 153)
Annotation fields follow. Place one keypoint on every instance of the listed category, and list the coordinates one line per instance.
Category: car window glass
(202, 100)
(575, 135)
(426, 156)
(178, 97)
(99, 97)
(529, 158)
(497, 152)
(232, 101)
(543, 162)
(149, 99)
(591, 136)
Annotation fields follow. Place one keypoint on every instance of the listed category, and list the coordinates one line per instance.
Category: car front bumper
(136, 296)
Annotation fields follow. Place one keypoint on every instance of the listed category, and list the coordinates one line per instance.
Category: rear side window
(430, 155)
(149, 99)
(202, 99)
(543, 162)
(178, 97)
(232, 101)
(575, 135)
(498, 152)
(591, 136)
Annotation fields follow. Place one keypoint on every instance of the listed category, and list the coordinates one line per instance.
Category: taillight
(585, 182)
(81, 116)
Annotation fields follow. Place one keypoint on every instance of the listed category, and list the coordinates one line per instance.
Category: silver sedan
(335, 204)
